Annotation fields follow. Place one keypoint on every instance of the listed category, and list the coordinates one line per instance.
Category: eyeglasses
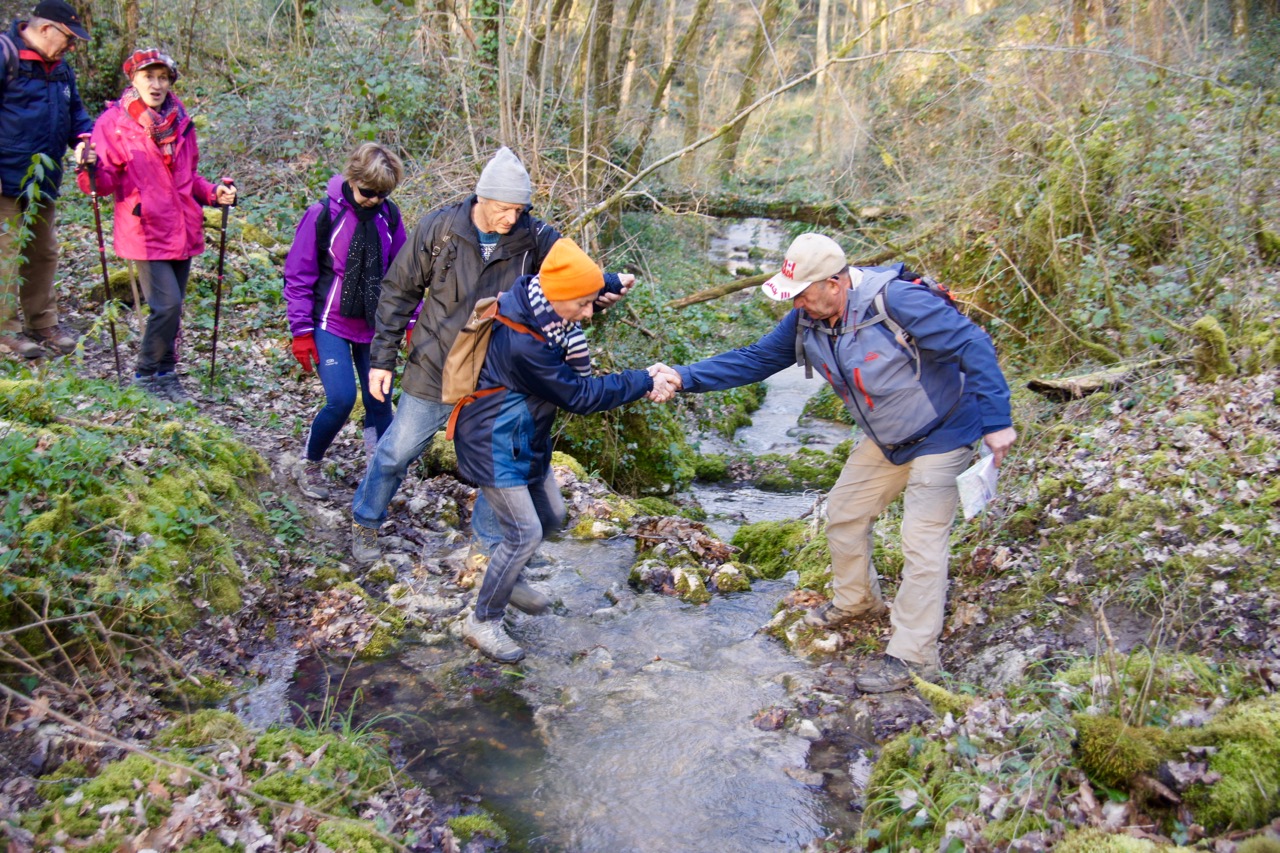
(371, 194)
(70, 36)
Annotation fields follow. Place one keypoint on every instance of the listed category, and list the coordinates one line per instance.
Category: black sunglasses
(373, 193)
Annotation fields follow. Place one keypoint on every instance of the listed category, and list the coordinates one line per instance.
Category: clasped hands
(666, 382)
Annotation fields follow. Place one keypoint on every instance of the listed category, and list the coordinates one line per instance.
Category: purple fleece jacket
(302, 269)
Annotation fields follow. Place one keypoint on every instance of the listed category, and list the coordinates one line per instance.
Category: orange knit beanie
(568, 273)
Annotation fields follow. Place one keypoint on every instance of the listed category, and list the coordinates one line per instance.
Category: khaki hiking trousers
(868, 483)
(28, 285)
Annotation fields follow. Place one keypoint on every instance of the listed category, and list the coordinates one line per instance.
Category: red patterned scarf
(162, 124)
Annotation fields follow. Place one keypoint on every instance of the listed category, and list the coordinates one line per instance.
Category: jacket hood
(334, 190)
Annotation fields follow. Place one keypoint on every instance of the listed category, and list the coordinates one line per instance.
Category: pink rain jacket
(157, 211)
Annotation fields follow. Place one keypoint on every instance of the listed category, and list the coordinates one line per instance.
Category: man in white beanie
(923, 383)
(457, 255)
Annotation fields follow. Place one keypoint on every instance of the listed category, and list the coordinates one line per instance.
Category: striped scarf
(559, 331)
(162, 124)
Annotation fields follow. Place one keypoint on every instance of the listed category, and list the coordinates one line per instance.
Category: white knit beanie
(505, 179)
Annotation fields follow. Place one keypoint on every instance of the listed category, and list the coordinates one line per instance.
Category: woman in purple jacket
(333, 276)
(144, 152)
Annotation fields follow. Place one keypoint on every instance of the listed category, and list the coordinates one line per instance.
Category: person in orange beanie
(537, 362)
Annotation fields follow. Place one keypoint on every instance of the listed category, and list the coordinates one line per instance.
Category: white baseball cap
(811, 257)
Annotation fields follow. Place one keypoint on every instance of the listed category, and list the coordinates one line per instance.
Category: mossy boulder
(639, 448)
(770, 547)
(561, 459)
(1100, 841)
(203, 728)
(826, 404)
(1247, 742)
(1114, 753)
(713, 468)
(440, 457)
(1213, 357)
(467, 827)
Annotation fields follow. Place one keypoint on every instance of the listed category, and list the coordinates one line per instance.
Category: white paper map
(978, 485)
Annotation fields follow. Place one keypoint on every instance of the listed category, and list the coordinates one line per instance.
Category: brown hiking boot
(57, 337)
(830, 617)
(891, 673)
(21, 345)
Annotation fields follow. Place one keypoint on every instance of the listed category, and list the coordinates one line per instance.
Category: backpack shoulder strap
(324, 236)
(10, 59)
(393, 216)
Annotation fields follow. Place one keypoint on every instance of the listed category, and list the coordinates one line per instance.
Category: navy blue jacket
(961, 394)
(40, 112)
(503, 439)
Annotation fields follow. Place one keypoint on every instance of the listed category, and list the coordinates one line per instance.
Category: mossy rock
(826, 404)
(712, 469)
(26, 400)
(690, 586)
(61, 782)
(256, 234)
(656, 506)
(467, 827)
(1247, 739)
(1100, 841)
(352, 836)
(1213, 357)
(1114, 753)
(564, 460)
(203, 728)
(771, 546)
(730, 578)
(440, 457)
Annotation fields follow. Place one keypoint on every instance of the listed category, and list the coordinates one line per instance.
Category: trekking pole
(217, 300)
(102, 254)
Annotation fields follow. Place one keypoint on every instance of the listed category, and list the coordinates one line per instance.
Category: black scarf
(362, 278)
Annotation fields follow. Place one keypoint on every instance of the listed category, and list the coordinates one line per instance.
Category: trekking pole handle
(84, 137)
(230, 184)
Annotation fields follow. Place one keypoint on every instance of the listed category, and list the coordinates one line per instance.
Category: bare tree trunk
(641, 45)
(700, 15)
(600, 92)
(692, 119)
(556, 12)
(729, 144)
(822, 41)
(130, 28)
(1079, 21)
(1239, 19)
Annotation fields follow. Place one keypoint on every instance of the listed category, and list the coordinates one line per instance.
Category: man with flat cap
(40, 113)
(923, 383)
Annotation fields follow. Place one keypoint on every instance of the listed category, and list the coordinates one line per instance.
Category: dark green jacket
(442, 267)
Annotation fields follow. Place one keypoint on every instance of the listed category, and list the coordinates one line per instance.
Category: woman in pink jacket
(144, 152)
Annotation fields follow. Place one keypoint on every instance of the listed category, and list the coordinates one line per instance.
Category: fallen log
(1076, 387)
(829, 214)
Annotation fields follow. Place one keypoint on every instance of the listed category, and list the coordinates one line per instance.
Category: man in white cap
(924, 385)
(457, 255)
